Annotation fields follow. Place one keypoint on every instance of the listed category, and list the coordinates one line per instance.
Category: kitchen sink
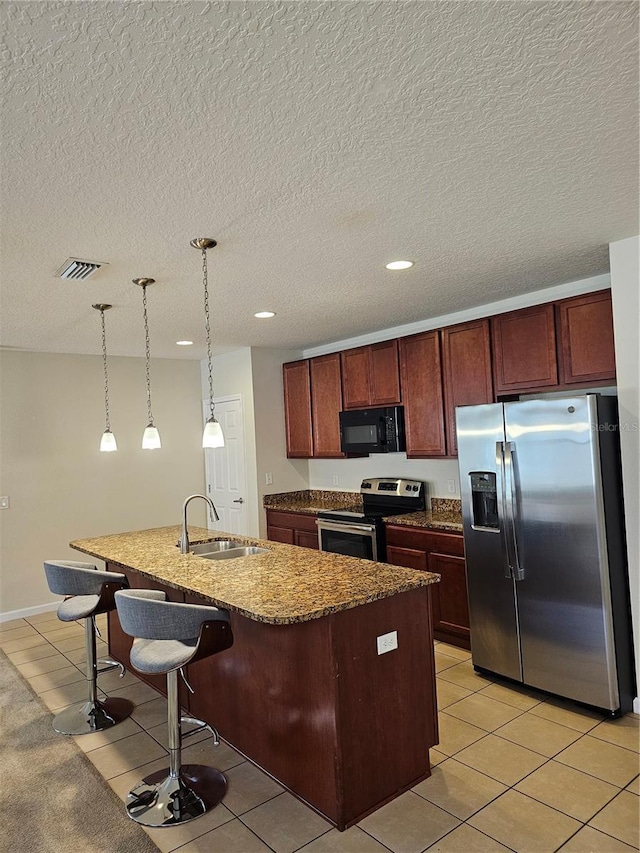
(214, 547)
(232, 553)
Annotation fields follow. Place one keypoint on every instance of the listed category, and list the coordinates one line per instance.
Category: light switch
(4, 502)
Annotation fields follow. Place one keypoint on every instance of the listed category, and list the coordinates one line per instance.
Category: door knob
(239, 501)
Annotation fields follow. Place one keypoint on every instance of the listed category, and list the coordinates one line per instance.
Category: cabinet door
(411, 558)
(586, 347)
(297, 409)
(280, 534)
(305, 539)
(466, 365)
(524, 349)
(356, 389)
(421, 374)
(326, 403)
(450, 605)
(385, 373)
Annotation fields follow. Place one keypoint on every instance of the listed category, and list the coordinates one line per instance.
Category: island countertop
(285, 585)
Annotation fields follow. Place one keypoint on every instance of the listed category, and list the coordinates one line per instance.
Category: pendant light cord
(107, 425)
(147, 353)
(208, 330)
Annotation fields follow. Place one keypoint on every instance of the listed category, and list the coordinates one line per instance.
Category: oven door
(352, 540)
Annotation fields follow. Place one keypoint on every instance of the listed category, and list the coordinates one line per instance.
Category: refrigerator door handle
(512, 507)
(502, 515)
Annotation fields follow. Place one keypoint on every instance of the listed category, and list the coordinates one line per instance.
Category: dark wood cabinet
(297, 409)
(370, 375)
(524, 349)
(292, 528)
(443, 553)
(326, 404)
(466, 370)
(586, 347)
(421, 375)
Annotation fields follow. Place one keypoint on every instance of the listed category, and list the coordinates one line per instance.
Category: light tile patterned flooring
(514, 770)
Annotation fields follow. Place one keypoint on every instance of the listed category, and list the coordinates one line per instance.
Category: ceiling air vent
(77, 269)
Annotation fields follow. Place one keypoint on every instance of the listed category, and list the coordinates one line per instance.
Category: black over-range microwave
(372, 430)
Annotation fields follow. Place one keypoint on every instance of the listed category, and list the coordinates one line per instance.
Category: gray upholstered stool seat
(90, 592)
(167, 636)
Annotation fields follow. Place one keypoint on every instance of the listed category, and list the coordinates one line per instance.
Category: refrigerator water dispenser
(484, 500)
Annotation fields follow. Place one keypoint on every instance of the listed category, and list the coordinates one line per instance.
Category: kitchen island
(303, 691)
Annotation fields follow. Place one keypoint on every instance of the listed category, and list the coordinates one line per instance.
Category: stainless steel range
(358, 530)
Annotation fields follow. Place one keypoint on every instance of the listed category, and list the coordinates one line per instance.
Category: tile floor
(514, 770)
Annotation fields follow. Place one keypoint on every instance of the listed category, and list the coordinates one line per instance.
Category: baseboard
(636, 705)
(9, 615)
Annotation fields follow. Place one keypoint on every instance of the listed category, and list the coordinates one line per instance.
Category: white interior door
(225, 468)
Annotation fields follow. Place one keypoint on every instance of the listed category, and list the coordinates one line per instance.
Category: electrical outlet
(452, 487)
(268, 479)
(387, 642)
(336, 480)
(4, 502)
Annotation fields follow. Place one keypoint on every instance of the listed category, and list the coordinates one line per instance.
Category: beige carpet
(52, 799)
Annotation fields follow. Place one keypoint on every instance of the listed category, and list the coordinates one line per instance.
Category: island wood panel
(378, 694)
(315, 706)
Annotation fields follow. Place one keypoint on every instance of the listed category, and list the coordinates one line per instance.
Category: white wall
(625, 287)
(60, 486)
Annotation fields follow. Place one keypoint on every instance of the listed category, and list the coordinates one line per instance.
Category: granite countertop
(444, 514)
(311, 501)
(287, 584)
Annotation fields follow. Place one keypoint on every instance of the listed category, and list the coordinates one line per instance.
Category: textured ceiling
(493, 143)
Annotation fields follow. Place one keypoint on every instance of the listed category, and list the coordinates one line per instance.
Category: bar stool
(89, 592)
(167, 636)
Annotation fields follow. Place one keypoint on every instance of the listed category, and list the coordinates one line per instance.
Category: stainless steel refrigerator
(545, 549)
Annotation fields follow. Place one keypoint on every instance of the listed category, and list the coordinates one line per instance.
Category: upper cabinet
(466, 370)
(421, 373)
(297, 408)
(586, 350)
(559, 345)
(524, 349)
(326, 404)
(370, 375)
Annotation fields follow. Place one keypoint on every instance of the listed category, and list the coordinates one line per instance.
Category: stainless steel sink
(216, 546)
(232, 553)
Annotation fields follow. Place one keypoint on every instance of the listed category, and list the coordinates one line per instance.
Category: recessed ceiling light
(263, 315)
(399, 265)
(184, 343)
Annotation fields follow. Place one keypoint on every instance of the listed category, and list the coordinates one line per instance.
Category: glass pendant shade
(212, 435)
(151, 438)
(108, 442)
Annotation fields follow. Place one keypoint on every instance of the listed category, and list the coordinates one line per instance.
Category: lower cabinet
(443, 553)
(292, 528)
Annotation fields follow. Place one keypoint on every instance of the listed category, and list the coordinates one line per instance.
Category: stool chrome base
(89, 717)
(165, 800)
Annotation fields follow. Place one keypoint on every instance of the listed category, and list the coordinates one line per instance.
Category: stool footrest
(109, 665)
(164, 800)
(199, 725)
(89, 717)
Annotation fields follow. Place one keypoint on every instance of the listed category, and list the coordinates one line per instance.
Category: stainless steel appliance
(372, 430)
(358, 530)
(545, 549)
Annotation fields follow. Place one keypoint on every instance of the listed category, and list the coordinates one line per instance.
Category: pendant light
(150, 436)
(212, 435)
(108, 441)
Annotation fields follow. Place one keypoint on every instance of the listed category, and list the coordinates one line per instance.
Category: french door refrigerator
(545, 549)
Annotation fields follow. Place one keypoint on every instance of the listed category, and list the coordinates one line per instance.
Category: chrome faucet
(184, 538)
